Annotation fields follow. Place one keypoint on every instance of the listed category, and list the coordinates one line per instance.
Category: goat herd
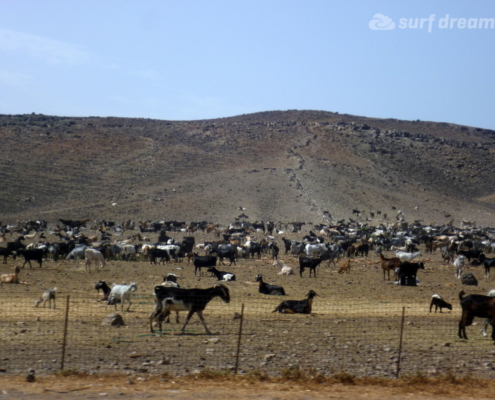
(346, 244)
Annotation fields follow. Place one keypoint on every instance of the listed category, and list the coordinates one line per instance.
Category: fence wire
(361, 338)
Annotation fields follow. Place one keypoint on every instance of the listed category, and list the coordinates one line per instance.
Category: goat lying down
(297, 306)
(11, 278)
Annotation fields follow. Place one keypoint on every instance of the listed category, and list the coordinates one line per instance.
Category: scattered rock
(113, 319)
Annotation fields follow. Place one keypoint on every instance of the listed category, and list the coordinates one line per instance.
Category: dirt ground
(118, 387)
(354, 325)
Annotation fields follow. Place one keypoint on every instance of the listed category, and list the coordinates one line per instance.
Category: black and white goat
(439, 303)
(297, 306)
(265, 288)
(104, 288)
(221, 275)
(170, 299)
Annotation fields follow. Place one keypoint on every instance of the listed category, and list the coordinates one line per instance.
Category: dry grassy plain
(354, 326)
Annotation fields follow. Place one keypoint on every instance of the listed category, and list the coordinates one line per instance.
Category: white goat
(404, 256)
(284, 269)
(93, 255)
(458, 264)
(48, 295)
(121, 293)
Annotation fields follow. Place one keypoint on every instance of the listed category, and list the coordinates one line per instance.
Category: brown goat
(11, 278)
(389, 264)
(476, 305)
(346, 267)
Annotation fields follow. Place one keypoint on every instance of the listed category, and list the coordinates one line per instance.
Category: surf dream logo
(381, 22)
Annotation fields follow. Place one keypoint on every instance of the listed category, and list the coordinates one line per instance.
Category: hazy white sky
(183, 60)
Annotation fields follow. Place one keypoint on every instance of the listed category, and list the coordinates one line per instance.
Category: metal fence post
(239, 340)
(64, 341)
(400, 342)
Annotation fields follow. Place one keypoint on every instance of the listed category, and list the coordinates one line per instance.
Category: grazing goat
(93, 255)
(438, 302)
(476, 305)
(408, 271)
(404, 256)
(389, 264)
(11, 278)
(458, 264)
(121, 293)
(221, 275)
(311, 263)
(48, 295)
(105, 289)
(487, 263)
(346, 267)
(297, 306)
(170, 299)
(265, 288)
(284, 269)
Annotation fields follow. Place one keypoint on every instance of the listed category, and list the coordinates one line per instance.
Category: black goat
(221, 275)
(5, 252)
(265, 288)
(287, 244)
(362, 250)
(160, 254)
(476, 305)
(469, 254)
(32, 254)
(408, 271)
(439, 303)
(487, 263)
(170, 299)
(104, 288)
(297, 306)
(203, 262)
(311, 263)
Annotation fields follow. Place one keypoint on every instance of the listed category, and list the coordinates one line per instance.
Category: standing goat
(121, 293)
(389, 264)
(458, 264)
(476, 305)
(170, 299)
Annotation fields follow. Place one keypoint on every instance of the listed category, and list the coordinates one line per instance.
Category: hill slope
(290, 165)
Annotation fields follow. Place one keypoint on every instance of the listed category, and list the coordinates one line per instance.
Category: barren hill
(283, 166)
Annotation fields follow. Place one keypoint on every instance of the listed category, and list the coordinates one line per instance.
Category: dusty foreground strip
(228, 388)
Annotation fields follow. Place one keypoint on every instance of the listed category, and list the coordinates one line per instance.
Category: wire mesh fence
(361, 338)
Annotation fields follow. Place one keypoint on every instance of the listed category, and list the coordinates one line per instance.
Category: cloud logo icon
(381, 22)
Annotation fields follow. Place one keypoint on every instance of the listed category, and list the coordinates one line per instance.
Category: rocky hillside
(284, 166)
